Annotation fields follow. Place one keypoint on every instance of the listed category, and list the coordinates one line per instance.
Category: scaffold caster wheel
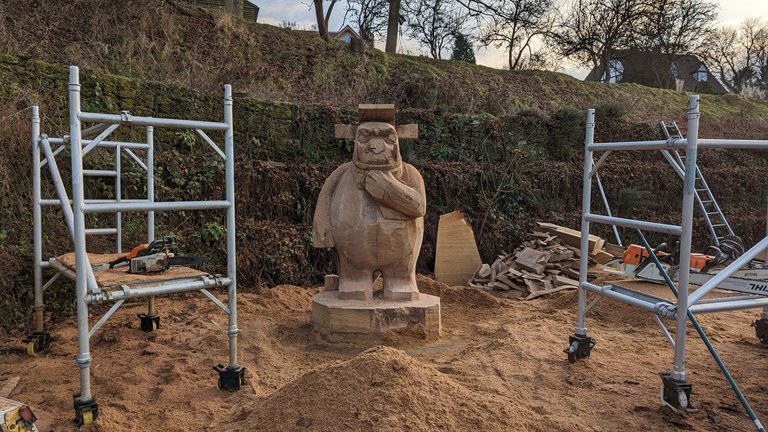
(761, 330)
(230, 379)
(675, 394)
(38, 342)
(579, 347)
(86, 412)
(149, 323)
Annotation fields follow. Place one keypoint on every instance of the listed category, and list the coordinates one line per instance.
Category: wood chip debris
(543, 265)
(8, 386)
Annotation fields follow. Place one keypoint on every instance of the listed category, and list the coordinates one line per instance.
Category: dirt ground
(499, 366)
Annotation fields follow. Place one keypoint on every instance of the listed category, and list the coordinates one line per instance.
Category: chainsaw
(16, 417)
(155, 257)
(752, 279)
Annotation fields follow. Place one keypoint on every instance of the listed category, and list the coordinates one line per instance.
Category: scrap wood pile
(547, 263)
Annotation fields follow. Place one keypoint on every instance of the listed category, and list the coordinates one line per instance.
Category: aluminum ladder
(716, 222)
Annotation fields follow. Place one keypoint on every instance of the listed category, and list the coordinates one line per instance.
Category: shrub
(611, 110)
(565, 133)
(704, 87)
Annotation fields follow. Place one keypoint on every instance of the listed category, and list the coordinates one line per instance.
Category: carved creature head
(377, 139)
(377, 146)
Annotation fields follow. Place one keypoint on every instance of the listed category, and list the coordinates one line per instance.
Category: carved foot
(401, 296)
(355, 295)
(400, 288)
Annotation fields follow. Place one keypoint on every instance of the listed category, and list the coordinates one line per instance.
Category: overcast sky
(275, 11)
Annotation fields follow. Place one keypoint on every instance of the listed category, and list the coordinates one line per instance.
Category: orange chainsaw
(155, 257)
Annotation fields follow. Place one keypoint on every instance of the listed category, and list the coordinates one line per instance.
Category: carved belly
(362, 233)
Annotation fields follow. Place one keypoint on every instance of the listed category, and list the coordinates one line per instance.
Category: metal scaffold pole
(89, 289)
(84, 404)
(704, 338)
(676, 390)
(689, 195)
(586, 203)
(37, 219)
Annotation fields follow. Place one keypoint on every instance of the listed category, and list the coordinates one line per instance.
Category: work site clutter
(543, 265)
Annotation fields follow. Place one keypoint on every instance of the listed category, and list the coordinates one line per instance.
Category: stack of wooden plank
(547, 263)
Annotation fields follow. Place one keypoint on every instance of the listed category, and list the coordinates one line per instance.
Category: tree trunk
(392, 26)
(606, 66)
(238, 8)
(322, 27)
(229, 6)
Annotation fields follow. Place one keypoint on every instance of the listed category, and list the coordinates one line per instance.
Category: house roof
(686, 66)
(344, 29)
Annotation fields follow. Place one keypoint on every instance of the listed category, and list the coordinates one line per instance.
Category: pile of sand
(467, 297)
(380, 389)
(282, 298)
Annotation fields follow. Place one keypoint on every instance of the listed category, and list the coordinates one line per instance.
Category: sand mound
(450, 295)
(381, 389)
(607, 311)
(288, 298)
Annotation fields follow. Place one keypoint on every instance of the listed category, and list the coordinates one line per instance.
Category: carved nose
(376, 146)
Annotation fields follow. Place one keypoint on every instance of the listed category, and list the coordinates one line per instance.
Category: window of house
(700, 74)
(616, 68)
(346, 38)
(673, 70)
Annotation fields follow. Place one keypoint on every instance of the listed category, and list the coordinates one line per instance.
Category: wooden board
(536, 294)
(407, 131)
(456, 254)
(532, 259)
(613, 249)
(572, 237)
(345, 131)
(114, 277)
(384, 113)
(603, 257)
(9, 386)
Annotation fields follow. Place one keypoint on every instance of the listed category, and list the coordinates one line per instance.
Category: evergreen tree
(462, 49)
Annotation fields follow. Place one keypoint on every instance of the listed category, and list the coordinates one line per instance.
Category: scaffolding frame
(75, 209)
(686, 302)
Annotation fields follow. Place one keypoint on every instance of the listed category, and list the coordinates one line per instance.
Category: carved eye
(390, 137)
(364, 135)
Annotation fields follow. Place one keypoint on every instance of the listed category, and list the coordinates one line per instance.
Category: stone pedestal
(377, 317)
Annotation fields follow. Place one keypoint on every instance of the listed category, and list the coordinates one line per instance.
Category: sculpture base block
(335, 317)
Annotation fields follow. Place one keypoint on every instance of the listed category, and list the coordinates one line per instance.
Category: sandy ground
(498, 366)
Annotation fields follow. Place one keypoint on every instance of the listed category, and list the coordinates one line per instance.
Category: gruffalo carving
(371, 210)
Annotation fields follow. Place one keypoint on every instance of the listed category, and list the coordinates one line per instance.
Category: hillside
(170, 42)
(503, 147)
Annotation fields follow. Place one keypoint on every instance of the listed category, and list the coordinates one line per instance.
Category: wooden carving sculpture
(371, 210)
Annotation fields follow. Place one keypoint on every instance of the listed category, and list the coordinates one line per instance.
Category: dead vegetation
(171, 42)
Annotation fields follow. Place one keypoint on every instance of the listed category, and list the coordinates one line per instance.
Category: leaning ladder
(716, 222)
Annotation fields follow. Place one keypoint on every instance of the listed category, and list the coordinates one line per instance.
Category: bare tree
(323, 16)
(591, 31)
(676, 26)
(393, 26)
(433, 23)
(370, 17)
(514, 25)
(740, 55)
(234, 7)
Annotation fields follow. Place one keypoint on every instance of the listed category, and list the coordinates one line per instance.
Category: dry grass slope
(171, 42)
